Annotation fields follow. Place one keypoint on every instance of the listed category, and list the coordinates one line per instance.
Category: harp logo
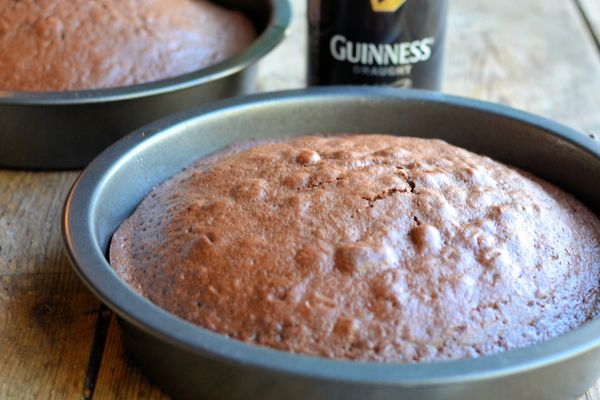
(386, 5)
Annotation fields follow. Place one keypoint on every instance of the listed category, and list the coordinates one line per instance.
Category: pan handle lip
(277, 29)
(92, 267)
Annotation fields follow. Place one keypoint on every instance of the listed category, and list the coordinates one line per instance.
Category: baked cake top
(367, 247)
(56, 45)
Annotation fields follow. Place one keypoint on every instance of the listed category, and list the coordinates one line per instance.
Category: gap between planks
(587, 21)
(97, 352)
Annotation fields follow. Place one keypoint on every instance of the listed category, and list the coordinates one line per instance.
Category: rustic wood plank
(47, 317)
(119, 378)
(533, 55)
(30, 208)
(591, 9)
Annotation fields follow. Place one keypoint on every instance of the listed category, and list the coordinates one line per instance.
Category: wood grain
(119, 377)
(30, 208)
(533, 55)
(591, 9)
(537, 55)
(47, 317)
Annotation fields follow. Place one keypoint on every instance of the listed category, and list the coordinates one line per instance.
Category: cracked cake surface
(364, 247)
(56, 45)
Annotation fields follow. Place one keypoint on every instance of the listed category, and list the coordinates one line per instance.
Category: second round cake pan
(191, 362)
(65, 130)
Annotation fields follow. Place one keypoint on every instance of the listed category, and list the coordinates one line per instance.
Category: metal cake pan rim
(276, 29)
(93, 268)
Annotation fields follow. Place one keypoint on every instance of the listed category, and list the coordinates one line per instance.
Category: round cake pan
(65, 130)
(191, 362)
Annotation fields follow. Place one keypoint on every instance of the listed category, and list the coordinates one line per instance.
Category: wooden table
(57, 341)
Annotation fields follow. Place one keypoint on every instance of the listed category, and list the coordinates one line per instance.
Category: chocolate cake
(366, 247)
(57, 45)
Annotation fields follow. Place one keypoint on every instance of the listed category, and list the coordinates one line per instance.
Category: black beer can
(377, 42)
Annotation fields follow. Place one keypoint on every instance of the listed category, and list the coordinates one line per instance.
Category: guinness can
(377, 42)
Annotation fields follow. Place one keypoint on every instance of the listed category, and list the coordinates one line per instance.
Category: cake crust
(365, 247)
